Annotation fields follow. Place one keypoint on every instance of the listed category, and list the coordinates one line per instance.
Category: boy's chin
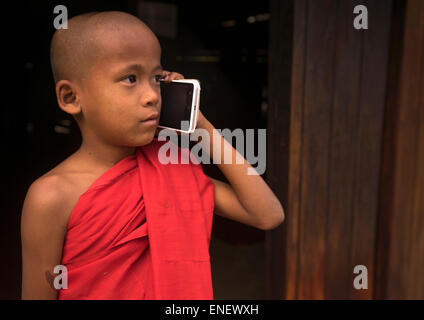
(146, 139)
(135, 140)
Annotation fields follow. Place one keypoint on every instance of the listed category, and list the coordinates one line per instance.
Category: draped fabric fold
(142, 231)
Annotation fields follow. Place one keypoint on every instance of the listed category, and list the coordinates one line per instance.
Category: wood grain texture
(345, 112)
(278, 117)
(295, 148)
(336, 123)
(388, 150)
(319, 84)
(401, 212)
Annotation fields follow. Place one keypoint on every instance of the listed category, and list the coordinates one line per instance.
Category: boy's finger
(176, 76)
(165, 75)
(169, 76)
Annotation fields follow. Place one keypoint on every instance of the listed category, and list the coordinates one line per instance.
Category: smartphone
(180, 105)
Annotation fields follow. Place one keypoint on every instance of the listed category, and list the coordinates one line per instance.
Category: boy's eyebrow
(137, 66)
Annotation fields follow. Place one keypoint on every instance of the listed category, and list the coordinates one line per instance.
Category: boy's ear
(67, 97)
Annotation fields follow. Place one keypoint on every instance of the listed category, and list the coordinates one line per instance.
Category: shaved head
(106, 68)
(75, 50)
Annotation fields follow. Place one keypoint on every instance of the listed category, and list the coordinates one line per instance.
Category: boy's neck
(104, 156)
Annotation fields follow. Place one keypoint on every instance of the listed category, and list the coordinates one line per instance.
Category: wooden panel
(295, 151)
(403, 178)
(344, 126)
(336, 117)
(319, 84)
(279, 75)
(370, 126)
(416, 278)
(387, 163)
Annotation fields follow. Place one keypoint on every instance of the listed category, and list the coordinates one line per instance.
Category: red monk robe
(142, 231)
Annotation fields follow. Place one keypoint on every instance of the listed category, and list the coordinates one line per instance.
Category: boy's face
(123, 88)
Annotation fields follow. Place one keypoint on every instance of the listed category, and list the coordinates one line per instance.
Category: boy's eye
(132, 78)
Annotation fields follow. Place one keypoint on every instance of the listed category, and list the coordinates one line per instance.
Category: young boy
(124, 225)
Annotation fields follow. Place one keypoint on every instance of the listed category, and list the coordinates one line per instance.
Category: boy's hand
(168, 76)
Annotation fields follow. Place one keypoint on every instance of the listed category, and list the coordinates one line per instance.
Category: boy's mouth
(152, 120)
(153, 116)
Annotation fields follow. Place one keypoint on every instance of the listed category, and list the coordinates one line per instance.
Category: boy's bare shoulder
(56, 192)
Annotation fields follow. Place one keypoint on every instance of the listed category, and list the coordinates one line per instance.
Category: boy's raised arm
(247, 199)
(42, 234)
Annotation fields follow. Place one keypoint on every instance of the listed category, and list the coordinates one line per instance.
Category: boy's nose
(150, 97)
